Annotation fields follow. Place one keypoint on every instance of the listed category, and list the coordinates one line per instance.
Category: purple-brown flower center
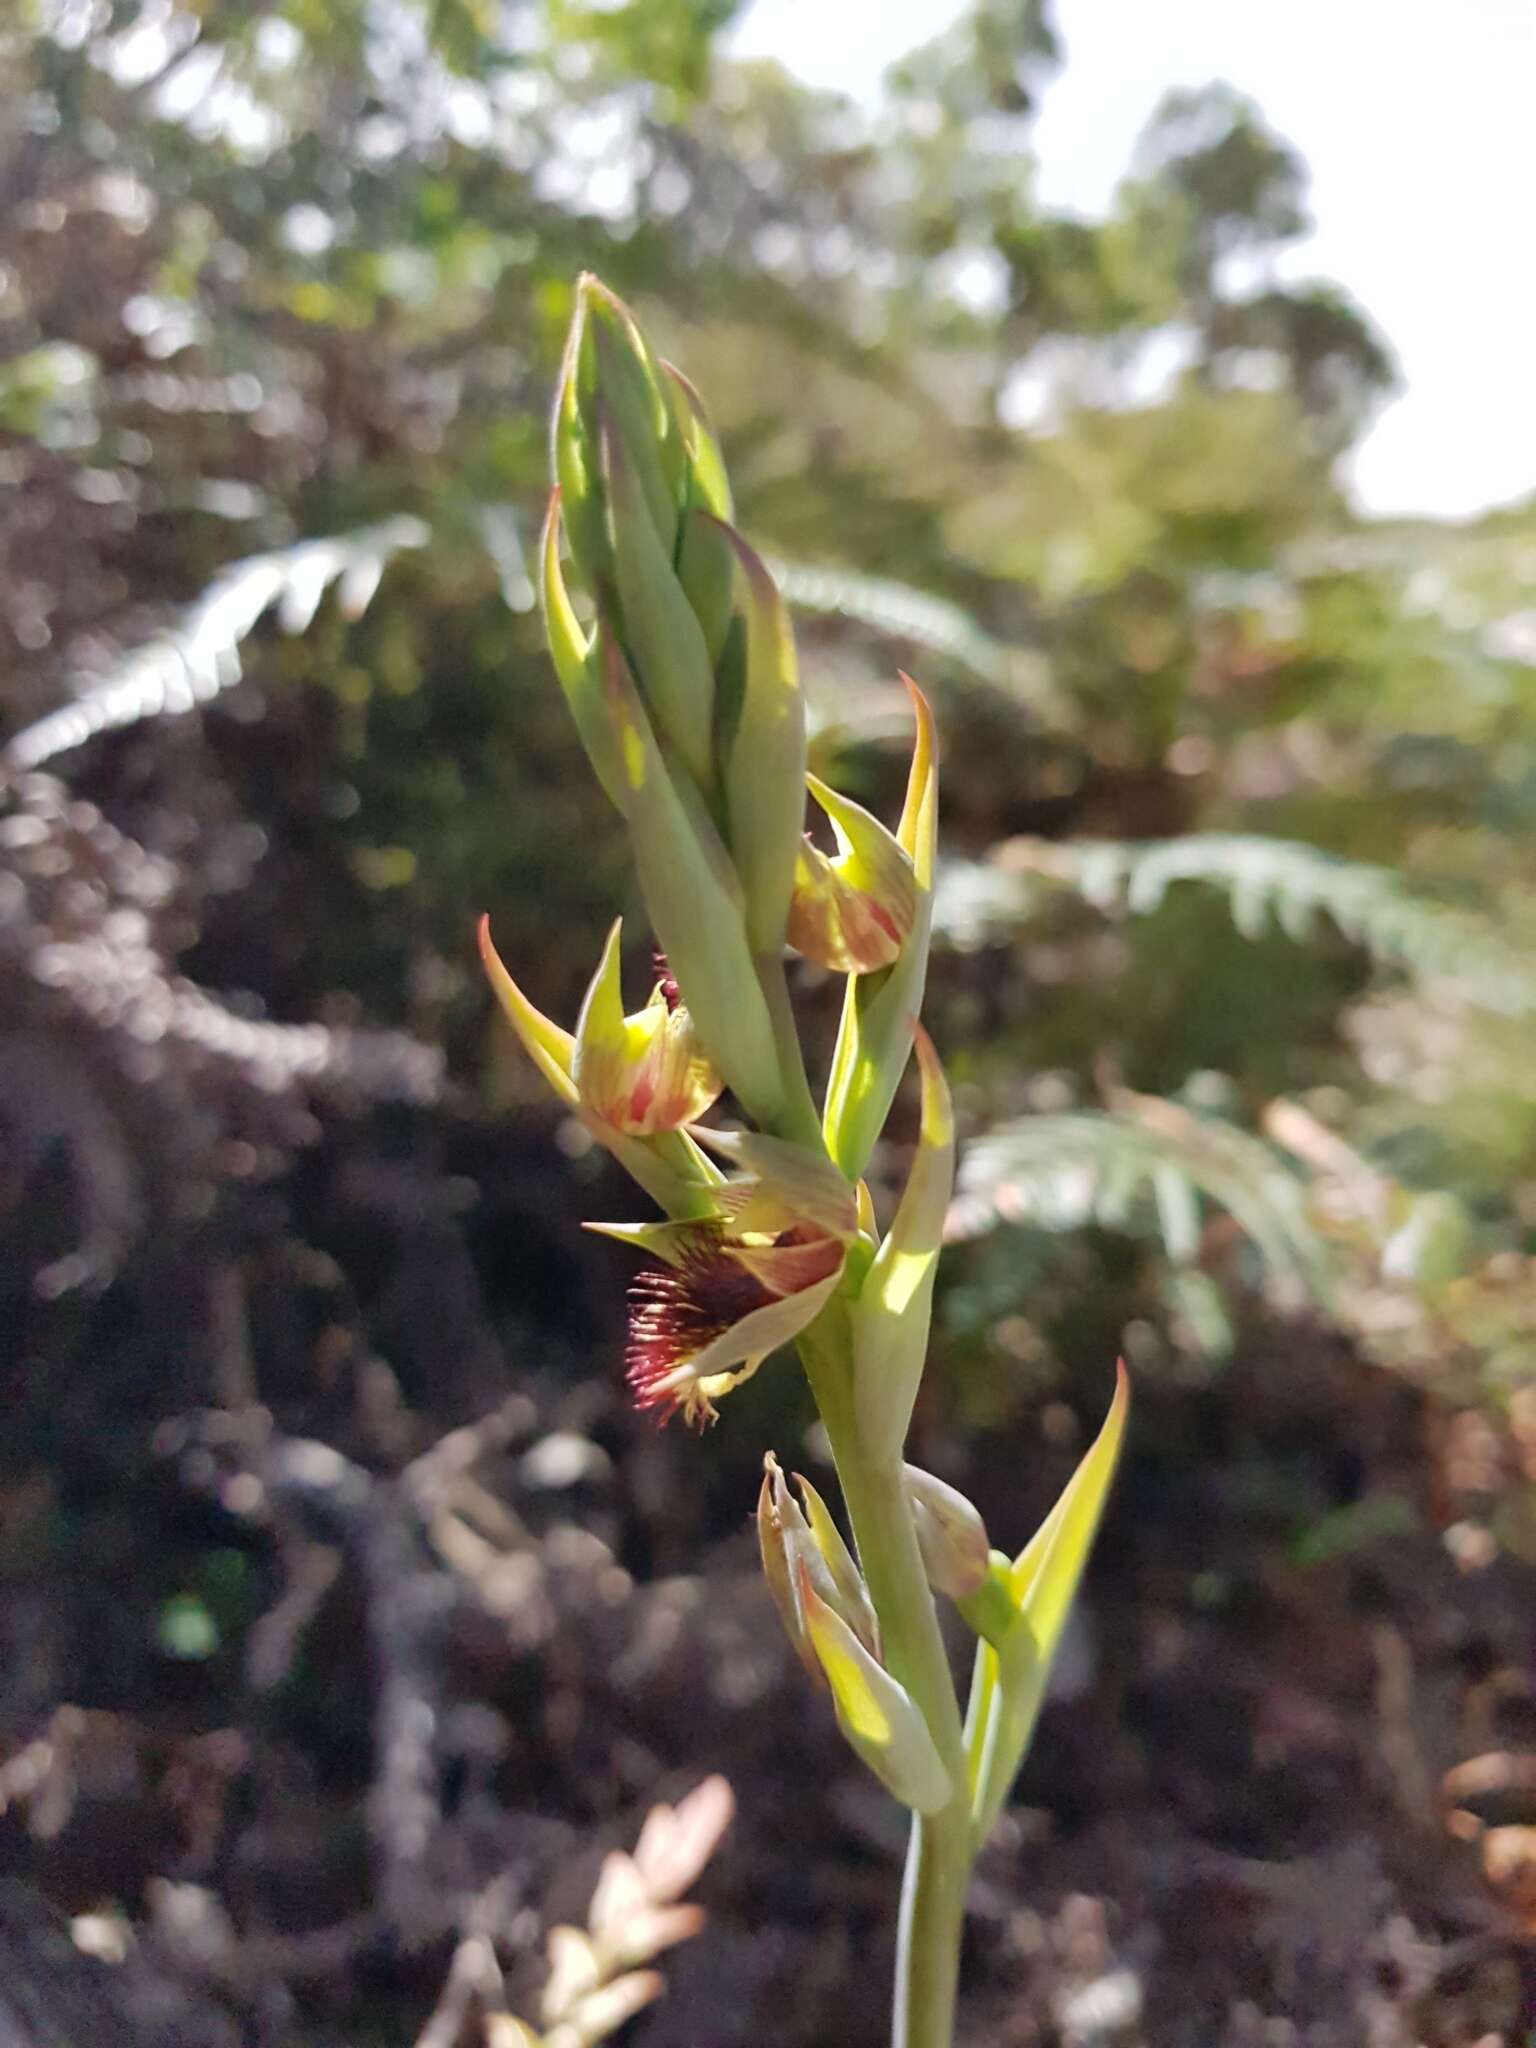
(674, 1311)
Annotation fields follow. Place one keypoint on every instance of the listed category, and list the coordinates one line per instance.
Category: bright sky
(1416, 122)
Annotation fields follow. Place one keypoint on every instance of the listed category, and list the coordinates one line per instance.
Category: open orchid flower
(733, 1287)
(705, 1320)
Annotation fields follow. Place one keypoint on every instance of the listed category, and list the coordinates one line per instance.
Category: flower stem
(801, 1121)
(939, 1857)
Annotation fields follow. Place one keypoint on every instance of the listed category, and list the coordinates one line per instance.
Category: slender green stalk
(802, 1119)
(939, 1855)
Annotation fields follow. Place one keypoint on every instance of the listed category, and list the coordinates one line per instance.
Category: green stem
(801, 1120)
(939, 1856)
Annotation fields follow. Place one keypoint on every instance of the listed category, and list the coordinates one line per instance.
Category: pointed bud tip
(920, 704)
(938, 1118)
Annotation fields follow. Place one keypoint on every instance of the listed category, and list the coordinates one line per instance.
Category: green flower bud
(695, 902)
(878, 1717)
(706, 569)
(609, 382)
(705, 564)
(793, 1539)
(663, 637)
(708, 485)
(763, 749)
(950, 1534)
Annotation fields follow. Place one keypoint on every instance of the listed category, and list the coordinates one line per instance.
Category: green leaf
(890, 1318)
(1010, 1681)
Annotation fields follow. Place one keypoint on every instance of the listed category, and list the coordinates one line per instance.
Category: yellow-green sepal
(552, 1049)
(663, 637)
(880, 1009)
(889, 1320)
(705, 564)
(803, 1184)
(618, 379)
(576, 659)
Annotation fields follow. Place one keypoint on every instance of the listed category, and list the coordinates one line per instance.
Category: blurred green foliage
(276, 273)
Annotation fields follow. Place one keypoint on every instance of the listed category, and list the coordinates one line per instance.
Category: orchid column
(676, 656)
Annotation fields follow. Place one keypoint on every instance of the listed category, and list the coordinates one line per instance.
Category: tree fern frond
(902, 612)
(104, 953)
(1284, 881)
(1148, 1168)
(199, 657)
